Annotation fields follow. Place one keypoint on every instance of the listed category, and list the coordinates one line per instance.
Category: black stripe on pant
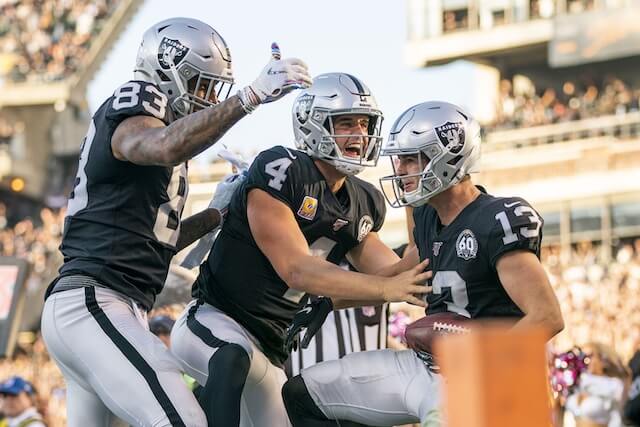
(228, 370)
(202, 331)
(133, 356)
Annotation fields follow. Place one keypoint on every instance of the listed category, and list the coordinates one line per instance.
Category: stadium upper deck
(509, 33)
(560, 103)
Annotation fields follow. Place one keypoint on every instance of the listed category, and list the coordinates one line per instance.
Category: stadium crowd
(46, 40)
(34, 240)
(525, 105)
(595, 296)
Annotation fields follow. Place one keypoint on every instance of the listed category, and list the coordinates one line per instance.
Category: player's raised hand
(277, 78)
(408, 286)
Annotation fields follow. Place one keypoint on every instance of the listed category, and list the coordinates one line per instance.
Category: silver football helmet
(446, 141)
(314, 112)
(188, 60)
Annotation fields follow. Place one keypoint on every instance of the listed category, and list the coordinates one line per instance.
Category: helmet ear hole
(191, 84)
(327, 124)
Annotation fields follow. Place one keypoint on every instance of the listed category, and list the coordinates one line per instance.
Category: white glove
(239, 164)
(220, 201)
(278, 77)
(224, 191)
(196, 255)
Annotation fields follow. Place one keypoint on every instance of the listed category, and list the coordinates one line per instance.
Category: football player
(123, 224)
(484, 254)
(297, 214)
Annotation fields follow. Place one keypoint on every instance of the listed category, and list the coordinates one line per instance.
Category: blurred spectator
(453, 20)
(596, 296)
(572, 101)
(19, 404)
(161, 326)
(597, 400)
(46, 40)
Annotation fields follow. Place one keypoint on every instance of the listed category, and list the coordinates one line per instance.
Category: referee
(344, 331)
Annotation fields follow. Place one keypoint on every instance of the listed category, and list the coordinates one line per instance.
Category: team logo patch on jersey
(303, 107)
(337, 226)
(436, 248)
(452, 136)
(467, 245)
(171, 49)
(308, 208)
(364, 227)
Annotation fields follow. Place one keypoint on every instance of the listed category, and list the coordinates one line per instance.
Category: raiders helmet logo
(171, 50)
(451, 135)
(303, 108)
(364, 227)
(467, 245)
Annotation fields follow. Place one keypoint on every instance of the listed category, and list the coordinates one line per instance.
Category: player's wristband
(248, 99)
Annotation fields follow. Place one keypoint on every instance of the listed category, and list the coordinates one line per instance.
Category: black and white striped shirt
(343, 332)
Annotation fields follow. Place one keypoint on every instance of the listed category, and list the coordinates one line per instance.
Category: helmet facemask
(317, 111)
(367, 150)
(437, 175)
(410, 188)
(198, 89)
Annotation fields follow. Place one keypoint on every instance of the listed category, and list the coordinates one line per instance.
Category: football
(421, 334)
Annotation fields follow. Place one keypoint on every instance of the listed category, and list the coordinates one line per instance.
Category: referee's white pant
(112, 364)
(200, 332)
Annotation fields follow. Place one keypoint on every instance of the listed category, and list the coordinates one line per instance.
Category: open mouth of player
(353, 150)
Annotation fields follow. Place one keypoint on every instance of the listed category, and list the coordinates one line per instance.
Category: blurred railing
(620, 126)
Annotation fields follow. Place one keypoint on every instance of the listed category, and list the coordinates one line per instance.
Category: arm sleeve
(275, 171)
(137, 98)
(516, 226)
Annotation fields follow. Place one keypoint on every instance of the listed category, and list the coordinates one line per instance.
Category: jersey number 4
(277, 170)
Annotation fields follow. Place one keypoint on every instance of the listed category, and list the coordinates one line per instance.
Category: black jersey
(123, 219)
(239, 279)
(463, 255)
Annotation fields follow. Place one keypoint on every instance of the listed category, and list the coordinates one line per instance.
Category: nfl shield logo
(436, 248)
(451, 135)
(173, 50)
